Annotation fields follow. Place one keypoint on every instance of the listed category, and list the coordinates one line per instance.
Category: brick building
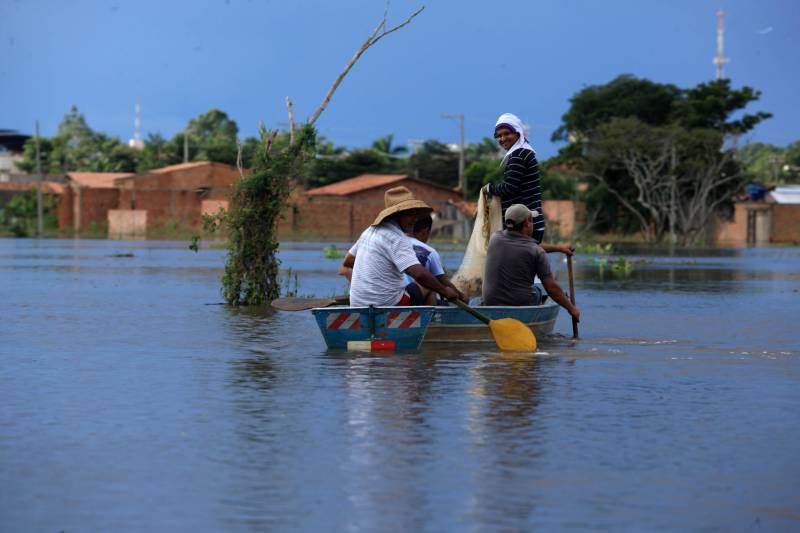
(87, 198)
(776, 219)
(343, 210)
(174, 196)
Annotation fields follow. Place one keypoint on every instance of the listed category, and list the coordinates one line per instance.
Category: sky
(479, 58)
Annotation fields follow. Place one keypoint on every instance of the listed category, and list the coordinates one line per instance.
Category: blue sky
(479, 58)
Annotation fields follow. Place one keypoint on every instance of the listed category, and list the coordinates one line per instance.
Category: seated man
(429, 258)
(514, 259)
(384, 252)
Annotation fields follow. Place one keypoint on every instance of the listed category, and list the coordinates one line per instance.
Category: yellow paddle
(510, 334)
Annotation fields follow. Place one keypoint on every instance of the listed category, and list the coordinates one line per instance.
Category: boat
(452, 324)
(373, 328)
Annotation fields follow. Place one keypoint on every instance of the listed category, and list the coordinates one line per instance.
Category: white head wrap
(514, 121)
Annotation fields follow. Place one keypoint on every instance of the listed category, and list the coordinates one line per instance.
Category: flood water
(131, 401)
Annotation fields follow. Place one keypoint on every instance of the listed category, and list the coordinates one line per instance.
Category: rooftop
(48, 187)
(357, 184)
(786, 194)
(181, 166)
(96, 180)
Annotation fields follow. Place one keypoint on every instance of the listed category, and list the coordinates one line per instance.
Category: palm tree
(384, 145)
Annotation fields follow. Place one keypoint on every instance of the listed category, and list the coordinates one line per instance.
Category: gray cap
(518, 213)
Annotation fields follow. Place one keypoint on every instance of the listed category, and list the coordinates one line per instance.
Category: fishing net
(489, 219)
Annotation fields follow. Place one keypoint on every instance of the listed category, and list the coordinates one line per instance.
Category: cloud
(764, 31)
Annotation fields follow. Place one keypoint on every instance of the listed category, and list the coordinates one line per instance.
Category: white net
(489, 219)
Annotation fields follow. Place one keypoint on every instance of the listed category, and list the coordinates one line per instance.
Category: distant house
(344, 209)
(87, 198)
(173, 196)
(776, 219)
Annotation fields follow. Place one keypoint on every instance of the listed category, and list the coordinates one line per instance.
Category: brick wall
(94, 206)
(165, 207)
(786, 223)
(561, 217)
(66, 216)
(80, 207)
(345, 217)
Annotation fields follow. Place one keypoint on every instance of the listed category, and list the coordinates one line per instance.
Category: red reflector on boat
(371, 346)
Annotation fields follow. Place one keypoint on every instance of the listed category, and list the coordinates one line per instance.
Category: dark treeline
(213, 136)
(653, 158)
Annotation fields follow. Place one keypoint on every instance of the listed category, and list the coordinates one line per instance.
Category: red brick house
(776, 219)
(87, 198)
(173, 196)
(344, 209)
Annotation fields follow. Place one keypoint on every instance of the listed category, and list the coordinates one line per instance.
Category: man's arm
(346, 268)
(567, 249)
(557, 294)
(444, 280)
(427, 280)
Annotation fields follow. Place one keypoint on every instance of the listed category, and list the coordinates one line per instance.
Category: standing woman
(521, 172)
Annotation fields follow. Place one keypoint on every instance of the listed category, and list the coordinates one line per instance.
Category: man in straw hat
(384, 252)
(514, 259)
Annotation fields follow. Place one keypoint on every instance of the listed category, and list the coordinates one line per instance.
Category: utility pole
(462, 182)
(39, 208)
(186, 146)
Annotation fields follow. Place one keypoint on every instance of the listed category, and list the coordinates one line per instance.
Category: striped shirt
(521, 185)
(382, 253)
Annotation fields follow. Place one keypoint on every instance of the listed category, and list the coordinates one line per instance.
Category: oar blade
(511, 335)
(301, 304)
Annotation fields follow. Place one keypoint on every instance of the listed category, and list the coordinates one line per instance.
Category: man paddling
(514, 259)
(384, 252)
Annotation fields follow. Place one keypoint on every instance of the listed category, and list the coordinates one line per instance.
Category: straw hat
(399, 199)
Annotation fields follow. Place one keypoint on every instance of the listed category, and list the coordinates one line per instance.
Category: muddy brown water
(130, 401)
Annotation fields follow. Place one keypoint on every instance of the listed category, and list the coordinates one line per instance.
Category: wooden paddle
(302, 304)
(510, 334)
(572, 296)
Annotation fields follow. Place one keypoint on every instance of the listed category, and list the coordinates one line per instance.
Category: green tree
(681, 176)
(436, 162)
(624, 96)
(157, 152)
(384, 145)
(213, 135)
(19, 215)
(711, 105)
(76, 147)
(351, 164)
(706, 107)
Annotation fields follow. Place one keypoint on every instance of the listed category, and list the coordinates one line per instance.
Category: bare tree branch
(377, 34)
(291, 120)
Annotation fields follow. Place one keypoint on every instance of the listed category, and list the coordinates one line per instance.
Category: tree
(681, 176)
(624, 96)
(214, 136)
(251, 269)
(20, 214)
(711, 105)
(770, 165)
(708, 106)
(434, 161)
(76, 147)
(368, 161)
(384, 145)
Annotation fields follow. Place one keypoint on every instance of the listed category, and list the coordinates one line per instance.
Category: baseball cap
(518, 213)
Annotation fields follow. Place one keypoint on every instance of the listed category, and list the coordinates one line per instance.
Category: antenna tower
(720, 60)
(137, 142)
